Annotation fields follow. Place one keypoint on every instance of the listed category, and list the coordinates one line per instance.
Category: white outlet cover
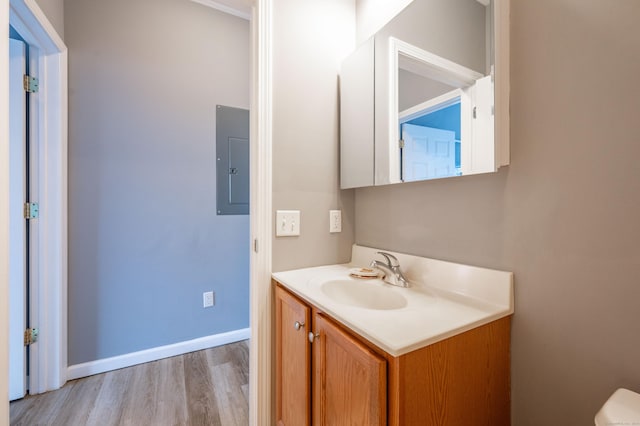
(287, 223)
(335, 221)
(208, 299)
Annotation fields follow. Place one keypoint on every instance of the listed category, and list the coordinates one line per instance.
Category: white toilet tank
(622, 408)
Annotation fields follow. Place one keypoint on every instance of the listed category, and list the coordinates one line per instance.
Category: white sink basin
(369, 294)
(443, 300)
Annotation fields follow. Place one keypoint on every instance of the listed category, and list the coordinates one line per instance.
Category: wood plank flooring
(209, 387)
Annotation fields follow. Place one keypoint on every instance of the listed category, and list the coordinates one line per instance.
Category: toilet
(622, 408)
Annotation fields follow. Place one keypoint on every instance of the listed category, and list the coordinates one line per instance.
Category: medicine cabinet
(427, 96)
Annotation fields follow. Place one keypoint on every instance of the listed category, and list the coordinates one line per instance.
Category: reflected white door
(428, 153)
(17, 223)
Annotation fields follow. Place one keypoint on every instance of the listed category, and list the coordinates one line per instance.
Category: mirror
(438, 107)
(441, 112)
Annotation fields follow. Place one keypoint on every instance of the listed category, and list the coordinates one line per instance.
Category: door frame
(48, 301)
(4, 215)
(430, 106)
(261, 361)
(18, 226)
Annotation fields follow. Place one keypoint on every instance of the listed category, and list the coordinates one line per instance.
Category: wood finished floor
(208, 387)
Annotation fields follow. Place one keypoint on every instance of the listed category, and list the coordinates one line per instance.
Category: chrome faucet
(393, 275)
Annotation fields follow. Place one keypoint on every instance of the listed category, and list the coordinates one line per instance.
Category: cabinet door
(293, 361)
(350, 381)
(356, 118)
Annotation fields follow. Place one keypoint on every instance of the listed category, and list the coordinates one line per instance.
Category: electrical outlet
(335, 221)
(287, 223)
(208, 299)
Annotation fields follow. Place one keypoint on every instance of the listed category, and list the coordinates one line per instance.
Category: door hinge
(475, 112)
(30, 84)
(31, 210)
(30, 336)
(255, 245)
(401, 143)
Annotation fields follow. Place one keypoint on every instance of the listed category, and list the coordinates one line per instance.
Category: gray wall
(144, 238)
(563, 216)
(414, 89)
(310, 40)
(371, 15)
(54, 10)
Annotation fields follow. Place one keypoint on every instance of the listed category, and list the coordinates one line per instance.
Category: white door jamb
(48, 357)
(4, 215)
(260, 377)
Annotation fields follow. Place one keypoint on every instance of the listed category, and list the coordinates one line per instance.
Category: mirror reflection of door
(434, 94)
(431, 133)
(429, 153)
(438, 94)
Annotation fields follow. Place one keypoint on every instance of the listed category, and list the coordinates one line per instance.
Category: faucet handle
(391, 259)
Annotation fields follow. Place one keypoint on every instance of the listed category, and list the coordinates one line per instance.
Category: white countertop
(445, 299)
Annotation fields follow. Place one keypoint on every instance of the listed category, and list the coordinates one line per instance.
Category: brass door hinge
(30, 336)
(30, 84)
(31, 210)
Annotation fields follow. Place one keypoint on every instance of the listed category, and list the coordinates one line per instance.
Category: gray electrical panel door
(232, 152)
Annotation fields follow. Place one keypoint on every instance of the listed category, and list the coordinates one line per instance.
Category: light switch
(287, 223)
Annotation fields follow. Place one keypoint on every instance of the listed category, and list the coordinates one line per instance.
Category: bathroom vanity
(352, 351)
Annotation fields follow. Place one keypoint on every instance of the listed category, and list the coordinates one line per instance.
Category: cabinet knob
(298, 325)
(313, 336)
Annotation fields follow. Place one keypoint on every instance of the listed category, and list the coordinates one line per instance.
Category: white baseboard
(154, 354)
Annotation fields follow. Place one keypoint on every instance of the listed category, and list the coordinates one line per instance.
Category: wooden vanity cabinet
(349, 379)
(460, 381)
(342, 379)
(293, 360)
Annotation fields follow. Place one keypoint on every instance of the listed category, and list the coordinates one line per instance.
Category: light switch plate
(335, 221)
(287, 223)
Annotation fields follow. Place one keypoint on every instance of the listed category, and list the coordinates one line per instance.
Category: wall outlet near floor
(208, 299)
(335, 221)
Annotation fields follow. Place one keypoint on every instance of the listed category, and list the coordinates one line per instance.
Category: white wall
(310, 39)
(4, 215)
